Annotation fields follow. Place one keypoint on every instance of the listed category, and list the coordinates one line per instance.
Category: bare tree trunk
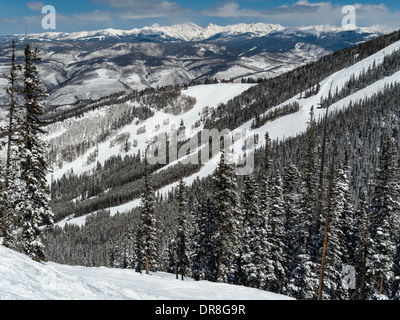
(147, 261)
(219, 271)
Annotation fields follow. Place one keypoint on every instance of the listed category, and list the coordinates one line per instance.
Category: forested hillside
(110, 241)
(318, 200)
(323, 198)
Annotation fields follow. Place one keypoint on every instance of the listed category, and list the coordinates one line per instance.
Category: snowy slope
(206, 96)
(281, 128)
(21, 278)
(296, 123)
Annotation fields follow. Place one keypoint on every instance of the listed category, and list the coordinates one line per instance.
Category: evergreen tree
(361, 249)
(115, 255)
(170, 265)
(291, 200)
(8, 216)
(182, 260)
(350, 218)
(254, 245)
(227, 205)
(128, 255)
(198, 236)
(276, 237)
(148, 225)
(309, 187)
(384, 227)
(336, 238)
(265, 196)
(33, 194)
(203, 259)
(321, 191)
(140, 261)
(303, 281)
(13, 119)
(350, 229)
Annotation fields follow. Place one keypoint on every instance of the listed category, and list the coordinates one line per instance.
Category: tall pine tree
(203, 257)
(276, 237)
(336, 237)
(265, 196)
(254, 245)
(384, 227)
(309, 187)
(8, 216)
(303, 281)
(291, 181)
(148, 230)
(228, 219)
(33, 195)
(181, 256)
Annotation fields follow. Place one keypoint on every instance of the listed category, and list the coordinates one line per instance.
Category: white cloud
(122, 3)
(230, 9)
(137, 16)
(35, 5)
(95, 16)
(304, 12)
(139, 9)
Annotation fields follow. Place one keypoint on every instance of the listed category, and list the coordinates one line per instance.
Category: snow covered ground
(24, 279)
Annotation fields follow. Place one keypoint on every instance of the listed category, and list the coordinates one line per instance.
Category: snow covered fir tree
(25, 211)
(77, 186)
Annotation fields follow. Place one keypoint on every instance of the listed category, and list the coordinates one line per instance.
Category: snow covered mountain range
(88, 65)
(191, 32)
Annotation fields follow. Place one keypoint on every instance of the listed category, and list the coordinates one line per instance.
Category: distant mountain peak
(190, 31)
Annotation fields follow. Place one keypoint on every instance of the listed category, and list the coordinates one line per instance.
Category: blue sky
(16, 16)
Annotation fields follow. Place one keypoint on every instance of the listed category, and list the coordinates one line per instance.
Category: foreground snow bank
(22, 278)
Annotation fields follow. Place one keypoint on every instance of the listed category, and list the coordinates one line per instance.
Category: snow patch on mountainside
(206, 96)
